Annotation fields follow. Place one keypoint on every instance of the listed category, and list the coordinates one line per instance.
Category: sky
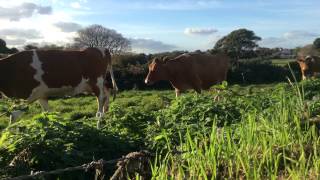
(161, 25)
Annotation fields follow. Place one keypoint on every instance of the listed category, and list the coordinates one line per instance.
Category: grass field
(282, 62)
(252, 132)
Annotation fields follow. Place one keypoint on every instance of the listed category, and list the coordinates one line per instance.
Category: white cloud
(299, 34)
(44, 30)
(20, 33)
(75, 5)
(200, 31)
(25, 10)
(15, 42)
(166, 5)
(290, 39)
(150, 45)
(68, 26)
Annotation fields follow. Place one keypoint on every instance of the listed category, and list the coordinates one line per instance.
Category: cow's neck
(170, 74)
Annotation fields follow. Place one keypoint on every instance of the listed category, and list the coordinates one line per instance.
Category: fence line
(128, 166)
(86, 167)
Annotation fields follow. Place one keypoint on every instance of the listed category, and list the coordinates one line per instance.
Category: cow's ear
(156, 60)
(165, 59)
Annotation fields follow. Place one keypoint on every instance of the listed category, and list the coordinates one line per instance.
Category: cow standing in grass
(309, 66)
(198, 71)
(40, 74)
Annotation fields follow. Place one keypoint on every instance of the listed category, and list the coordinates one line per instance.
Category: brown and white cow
(309, 66)
(190, 71)
(40, 74)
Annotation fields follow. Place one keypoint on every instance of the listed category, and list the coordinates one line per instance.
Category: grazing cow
(40, 74)
(190, 71)
(309, 66)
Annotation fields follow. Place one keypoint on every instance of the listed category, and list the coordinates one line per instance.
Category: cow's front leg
(107, 98)
(15, 115)
(98, 90)
(178, 92)
(44, 104)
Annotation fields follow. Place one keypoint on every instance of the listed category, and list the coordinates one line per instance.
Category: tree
(308, 50)
(99, 36)
(5, 50)
(316, 43)
(51, 47)
(3, 43)
(30, 47)
(238, 43)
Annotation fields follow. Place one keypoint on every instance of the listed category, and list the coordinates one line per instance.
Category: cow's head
(157, 71)
(306, 64)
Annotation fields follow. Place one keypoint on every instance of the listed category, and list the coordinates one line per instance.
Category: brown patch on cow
(190, 71)
(16, 75)
(71, 66)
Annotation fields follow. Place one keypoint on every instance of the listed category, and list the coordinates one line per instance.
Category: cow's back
(207, 68)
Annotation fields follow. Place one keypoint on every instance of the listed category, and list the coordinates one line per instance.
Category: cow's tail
(114, 84)
(109, 67)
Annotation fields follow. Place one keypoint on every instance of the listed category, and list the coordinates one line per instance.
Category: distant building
(284, 53)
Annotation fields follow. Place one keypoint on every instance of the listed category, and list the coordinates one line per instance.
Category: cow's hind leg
(107, 98)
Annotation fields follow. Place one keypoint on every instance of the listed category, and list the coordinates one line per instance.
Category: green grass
(281, 62)
(251, 132)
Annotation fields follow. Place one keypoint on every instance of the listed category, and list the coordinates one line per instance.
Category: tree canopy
(4, 49)
(99, 36)
(316, 43)
(238, 43)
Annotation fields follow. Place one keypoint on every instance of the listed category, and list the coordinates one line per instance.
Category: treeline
(4, 50)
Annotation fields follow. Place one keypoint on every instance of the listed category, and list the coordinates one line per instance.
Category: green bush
(48, 142)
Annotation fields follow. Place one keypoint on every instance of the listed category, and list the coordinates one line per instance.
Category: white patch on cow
(100, 84)
(39, 90)
(82, 86)
(43, 91)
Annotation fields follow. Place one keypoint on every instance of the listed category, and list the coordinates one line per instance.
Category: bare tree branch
(99, 36)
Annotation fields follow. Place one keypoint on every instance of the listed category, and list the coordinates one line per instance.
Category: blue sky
(162, 25)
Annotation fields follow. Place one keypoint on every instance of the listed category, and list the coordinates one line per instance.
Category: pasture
(253, 132)
(282, 62)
